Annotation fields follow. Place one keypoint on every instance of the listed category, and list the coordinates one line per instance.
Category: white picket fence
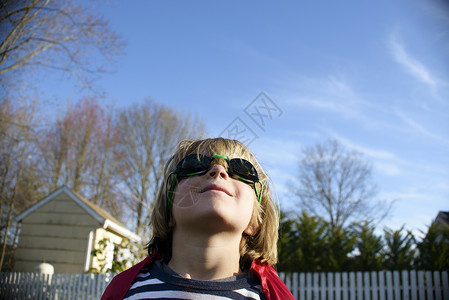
(37, 286)
(384, 285)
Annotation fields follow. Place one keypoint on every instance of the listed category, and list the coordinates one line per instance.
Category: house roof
(443, 217)
(103, 217)
(104, 214)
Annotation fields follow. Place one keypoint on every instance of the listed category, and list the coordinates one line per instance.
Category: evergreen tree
(339, 244)
(311, 240)
(369, 247)
(399, 251)
(434, 249)
(286, 244)
(301, 244)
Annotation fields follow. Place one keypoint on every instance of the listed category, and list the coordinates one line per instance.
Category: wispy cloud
(340, 87)
(371, 152)
(385, 162)
(387, 168)
(332, 93)
(420, 128)
(393, 163)
(409, 63)
(336, 97)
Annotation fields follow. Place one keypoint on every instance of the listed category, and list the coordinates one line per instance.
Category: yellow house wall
(56, 233)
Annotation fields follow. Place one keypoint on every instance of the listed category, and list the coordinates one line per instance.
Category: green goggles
(199, 164)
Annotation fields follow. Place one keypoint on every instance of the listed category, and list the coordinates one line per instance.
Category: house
(62, 229)
(442, 218)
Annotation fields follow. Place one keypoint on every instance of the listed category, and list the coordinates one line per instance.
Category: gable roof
(442, 217)
(99, 214)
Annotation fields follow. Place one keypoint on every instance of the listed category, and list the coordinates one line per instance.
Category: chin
(212, 218)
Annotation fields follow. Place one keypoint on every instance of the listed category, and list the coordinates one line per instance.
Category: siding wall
(56, 233)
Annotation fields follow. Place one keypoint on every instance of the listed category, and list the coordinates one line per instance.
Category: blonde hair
(262, 244)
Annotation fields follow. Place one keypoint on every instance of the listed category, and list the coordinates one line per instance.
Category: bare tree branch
(337, 185)
(60, 35)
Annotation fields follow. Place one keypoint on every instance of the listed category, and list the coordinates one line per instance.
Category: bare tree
(57, 35)
(78, 150)
(68, 144)
(149, 133)
(16, 167)
(105, 174)
(337, 185)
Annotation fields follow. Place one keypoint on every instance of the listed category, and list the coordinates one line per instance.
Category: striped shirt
(159, 282)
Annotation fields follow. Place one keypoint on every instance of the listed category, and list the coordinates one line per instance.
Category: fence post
(52, 290)
(337, 286)
(65, 286)
(429, 285)
(397, 285)
(366, 285)
(436, 284)
(24, 279)
(352, 287)
(8, 282)
(2, 283)
(76, 290)
(405, 287)
(295, 285)
(389, 285)
(287, 281)
(413, 285)
(11, 286)
(302, 286)
(374, 286)
(345, 286)
(99, 289)
(421, 286)
(309, 286)
(381, 285)
(445, 285)
(323, 286)
(359, 286)
(330, 286)
(316, 285)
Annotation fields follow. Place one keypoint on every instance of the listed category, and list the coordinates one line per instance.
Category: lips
(215, 187)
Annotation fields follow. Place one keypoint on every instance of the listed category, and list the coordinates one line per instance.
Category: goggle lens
(244, 168)
(193, 165)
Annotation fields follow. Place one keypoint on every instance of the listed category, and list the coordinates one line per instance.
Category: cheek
(245, 191)
(185, 191)
(249, 212)
(247, 198)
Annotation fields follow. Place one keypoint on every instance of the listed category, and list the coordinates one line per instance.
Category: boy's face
(213, 201)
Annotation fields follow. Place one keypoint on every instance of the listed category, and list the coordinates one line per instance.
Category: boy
(214, 230)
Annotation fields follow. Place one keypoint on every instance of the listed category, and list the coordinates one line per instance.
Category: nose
(218, 170)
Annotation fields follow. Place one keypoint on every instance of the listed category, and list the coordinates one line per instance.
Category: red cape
(273, 287)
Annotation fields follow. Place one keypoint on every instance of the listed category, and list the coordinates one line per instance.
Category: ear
(249, 230)
(252, 228)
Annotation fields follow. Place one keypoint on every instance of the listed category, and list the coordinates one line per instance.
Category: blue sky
(373, 74)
